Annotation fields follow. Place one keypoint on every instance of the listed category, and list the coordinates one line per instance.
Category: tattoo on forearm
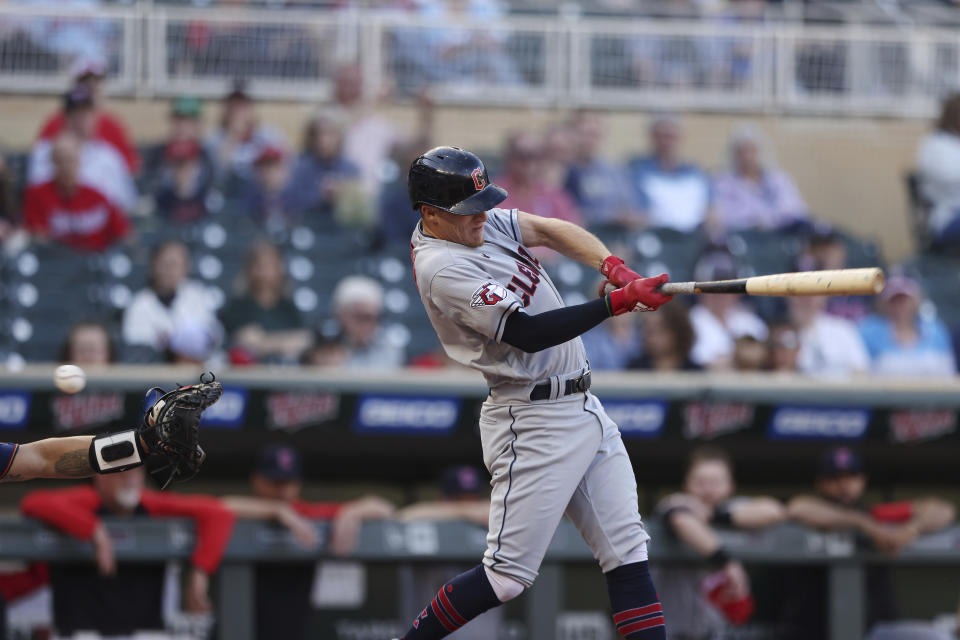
(74, 464)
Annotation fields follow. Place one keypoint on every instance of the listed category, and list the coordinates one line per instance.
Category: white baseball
(69, 378)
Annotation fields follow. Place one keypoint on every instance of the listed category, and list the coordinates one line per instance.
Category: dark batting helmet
(454, 180)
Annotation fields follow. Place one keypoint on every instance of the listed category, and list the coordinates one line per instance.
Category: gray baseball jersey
(469, 293)
(547, 458)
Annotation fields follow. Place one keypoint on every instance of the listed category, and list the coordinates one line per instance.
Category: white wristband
(113, 452)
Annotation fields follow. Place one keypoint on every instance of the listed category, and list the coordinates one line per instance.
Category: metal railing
(518, 60)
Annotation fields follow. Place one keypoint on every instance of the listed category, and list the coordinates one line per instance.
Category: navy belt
(573, 385)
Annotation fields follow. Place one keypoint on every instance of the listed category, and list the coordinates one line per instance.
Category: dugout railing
(713, 64)
(420, 542)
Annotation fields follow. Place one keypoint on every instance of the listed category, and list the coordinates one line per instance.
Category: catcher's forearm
(51, 458)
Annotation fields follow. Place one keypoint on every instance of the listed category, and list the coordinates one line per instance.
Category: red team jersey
(84, 220)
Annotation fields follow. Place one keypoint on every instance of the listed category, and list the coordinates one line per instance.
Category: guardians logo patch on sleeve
(489, 293)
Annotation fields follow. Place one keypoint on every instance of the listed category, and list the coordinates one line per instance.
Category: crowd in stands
(81, 190)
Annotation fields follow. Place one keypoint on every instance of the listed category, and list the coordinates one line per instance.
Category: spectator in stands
(240, 138)
(559, 146)
(784, 344)
(830, 347)
(719, 320)
(357, 308)
(397, 218)
(262, 320)
(667, 341)
(324, 182)
(750, 354)
(670, 193)
(282, 590)
(266, 196)
(101, 166)
(87, 344)
(524, 181)
(599, 187)
(121, 598)
(827, 249)
(170, 301)
(67, 211)
(612, 345)
(89, 72)
(753, 193)
(938, 174)
(903, 342)
(370, 140)
(839, 505)
(9, 214)
(708, 500)
(184, 179)
(465, 498)
(325, 352)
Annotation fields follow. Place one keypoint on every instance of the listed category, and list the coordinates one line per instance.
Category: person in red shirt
(68, 212)
(283, 590)
(107, 127)
(119, 599)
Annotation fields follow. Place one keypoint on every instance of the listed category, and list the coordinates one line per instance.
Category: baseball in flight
(69, 378)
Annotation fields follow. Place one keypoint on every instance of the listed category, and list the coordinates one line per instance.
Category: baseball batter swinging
(547, 442)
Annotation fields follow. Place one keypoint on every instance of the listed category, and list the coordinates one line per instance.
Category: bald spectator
(753, 193)
(901, 341)
(101, 166)
(357, 310)
(525, 184)
(67, 211)
(170, 304)
(671, 193)
(599, 187)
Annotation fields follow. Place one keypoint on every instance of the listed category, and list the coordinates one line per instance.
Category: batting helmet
(454, 180)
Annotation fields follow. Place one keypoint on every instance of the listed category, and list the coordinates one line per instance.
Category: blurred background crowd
(161, 201)
(231, 244)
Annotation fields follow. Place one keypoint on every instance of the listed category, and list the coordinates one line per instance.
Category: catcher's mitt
(170, 427)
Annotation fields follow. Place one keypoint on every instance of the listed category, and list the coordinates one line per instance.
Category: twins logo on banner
(85, 410)
(921, 425)
(291, 411)
(706, 420)
(14, 409)
(818, 423)
(414, 415)
(637, 419)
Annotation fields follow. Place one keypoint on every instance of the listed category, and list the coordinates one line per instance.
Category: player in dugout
(283, 589)
(547, 442)
(120, 598)
(839, 504)
(703, 599)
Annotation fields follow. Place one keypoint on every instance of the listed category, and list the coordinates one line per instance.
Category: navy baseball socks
(459, 601)
(636, 605)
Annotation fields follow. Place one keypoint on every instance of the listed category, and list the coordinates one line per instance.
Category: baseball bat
(836, 282)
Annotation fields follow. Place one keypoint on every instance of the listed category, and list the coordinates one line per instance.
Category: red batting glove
(614, 270)
(642, 294)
